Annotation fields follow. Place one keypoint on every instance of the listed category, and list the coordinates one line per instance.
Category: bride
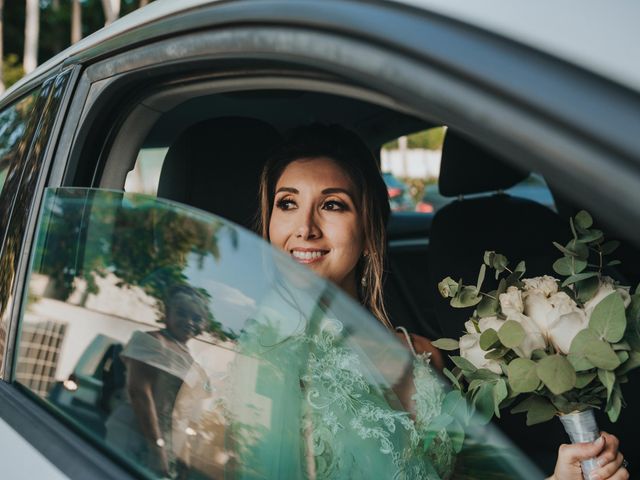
(324, 203)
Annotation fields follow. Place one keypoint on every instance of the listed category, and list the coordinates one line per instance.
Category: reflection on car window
(190, 348)
(13, 121)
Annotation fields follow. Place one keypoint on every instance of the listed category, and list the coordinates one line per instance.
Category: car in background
(399, 197)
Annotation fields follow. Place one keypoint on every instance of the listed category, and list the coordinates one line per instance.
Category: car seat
(215, 165)
(520, 229)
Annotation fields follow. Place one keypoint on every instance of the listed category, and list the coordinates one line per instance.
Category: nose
(308, 227)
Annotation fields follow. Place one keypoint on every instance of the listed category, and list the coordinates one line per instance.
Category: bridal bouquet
(550, 346)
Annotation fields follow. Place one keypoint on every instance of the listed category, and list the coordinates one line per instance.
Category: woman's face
(316, 220)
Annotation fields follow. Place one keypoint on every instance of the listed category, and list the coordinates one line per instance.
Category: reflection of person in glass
(159, 365)
(325, 204)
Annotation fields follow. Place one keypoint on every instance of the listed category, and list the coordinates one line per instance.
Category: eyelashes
(329, 205)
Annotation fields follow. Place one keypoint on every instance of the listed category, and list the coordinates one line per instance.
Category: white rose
(490, 322)
(606, 287)
(546, 285)
(470, 326)
(564, 329)
(558, 317)
(512, 307)
(470, 350)
(511, 301)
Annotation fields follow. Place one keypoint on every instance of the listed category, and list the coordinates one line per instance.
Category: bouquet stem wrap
(582, 427)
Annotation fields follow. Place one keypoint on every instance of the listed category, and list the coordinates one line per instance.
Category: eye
(285, 203)
(335, 205)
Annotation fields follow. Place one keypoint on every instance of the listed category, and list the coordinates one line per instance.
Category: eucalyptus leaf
(608, 379)
(586, 289)
(481, 273)
(632, 363)
(497, 353)
(500, 263)
(556, 373)
(578, 250)
(488, 257)
(511, 334)
(613, 263)
(633, 322)
(623, 356)
(591, 236)
(586, 343)
(452, 378)
(456, 435)
(446, 344)
(583, 219)
(467, 296)
(500, 393)
(562, 266)
(483, 402)
(488, 339)
(621, 346)
(564, 250)
(579, 362)
(538, 410)
(578, 277)
(434, 427)
(615, 405)
(488, 306)
(584, 379)
(455, 404)
(608, 319)
(609, 247)
(522, 375)
(463, 364)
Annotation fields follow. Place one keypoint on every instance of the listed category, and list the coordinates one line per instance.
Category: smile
(308, 256)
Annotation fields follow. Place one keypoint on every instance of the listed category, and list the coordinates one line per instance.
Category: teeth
(306, 255)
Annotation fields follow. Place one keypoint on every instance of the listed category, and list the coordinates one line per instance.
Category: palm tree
(76, 21)
(31, 34)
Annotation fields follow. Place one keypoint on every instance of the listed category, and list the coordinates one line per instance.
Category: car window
(411, 166)
(188, 347)
(13, 124)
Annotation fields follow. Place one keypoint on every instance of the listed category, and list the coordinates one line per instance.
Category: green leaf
(497, 353)
(483, 402)
(633, 322)
(483, 270)
(564, 250)
(556, 373)
(463, 364)
(522, 375)
(623, 355)
(578, 277)
(613, 263)
(500, 263)
(621, 346)
(488, 339)
(579, 362)
(488, 306)
(446, 344)
(562, 266)
(448, 287)
(608, 379)
(583, 219)
(488, 257)
(608, 318)
(500, 392)
(609, 247)
(586, 289)
(455, 404)
(511, 334)
(521, 267)
(587, 344)
(615, 405)
(538, 410)
(579, 250)
(434, 427)
(454, 380)
(456, 435)
(584, 379)
(467, 296)
(632, 363)
(591, 236)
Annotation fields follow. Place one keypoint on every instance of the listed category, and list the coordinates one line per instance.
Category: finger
(581, 451)
(621, 474)
(608, 454)
(610, 467)
(611, 441)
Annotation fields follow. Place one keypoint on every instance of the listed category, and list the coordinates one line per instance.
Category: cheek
(277, 230)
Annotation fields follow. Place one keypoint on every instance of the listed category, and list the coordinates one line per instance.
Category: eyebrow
(326, 191)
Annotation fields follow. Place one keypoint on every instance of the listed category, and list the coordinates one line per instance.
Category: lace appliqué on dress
(341, 403)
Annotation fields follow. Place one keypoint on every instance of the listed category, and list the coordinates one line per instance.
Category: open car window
(185, 345)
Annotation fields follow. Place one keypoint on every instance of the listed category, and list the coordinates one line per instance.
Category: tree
(31, 34)
(76, 21)
(111, 11)
(1, 48)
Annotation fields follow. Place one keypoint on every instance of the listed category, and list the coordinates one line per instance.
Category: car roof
(590, 34)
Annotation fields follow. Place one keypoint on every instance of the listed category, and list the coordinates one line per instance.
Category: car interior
(213, 145)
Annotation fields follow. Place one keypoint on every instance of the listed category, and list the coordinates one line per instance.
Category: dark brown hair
(352, 155)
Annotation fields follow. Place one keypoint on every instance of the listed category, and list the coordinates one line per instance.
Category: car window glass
(13, 122)
(411, 168)
(190, 348)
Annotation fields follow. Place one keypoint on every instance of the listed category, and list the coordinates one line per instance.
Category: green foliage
(608, 319)
(523, 377)
(556, 373)
(511, 334)
(446, 344)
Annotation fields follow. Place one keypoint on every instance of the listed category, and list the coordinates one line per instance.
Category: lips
(308, 255)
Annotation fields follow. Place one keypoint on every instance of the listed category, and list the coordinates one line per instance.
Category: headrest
(466, 168)
(215, 165)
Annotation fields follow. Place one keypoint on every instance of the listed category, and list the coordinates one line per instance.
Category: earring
(363, 281)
